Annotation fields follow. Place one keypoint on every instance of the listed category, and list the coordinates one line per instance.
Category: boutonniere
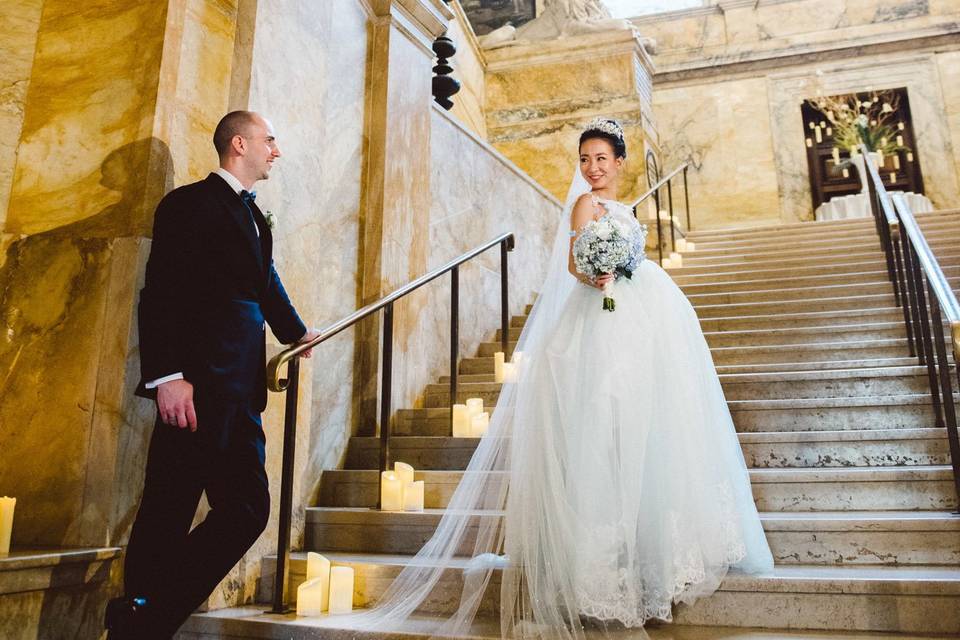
(270, 218)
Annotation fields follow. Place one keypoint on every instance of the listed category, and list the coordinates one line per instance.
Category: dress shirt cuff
(159, 381)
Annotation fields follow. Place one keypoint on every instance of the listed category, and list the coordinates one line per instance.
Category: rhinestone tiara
(607, 126)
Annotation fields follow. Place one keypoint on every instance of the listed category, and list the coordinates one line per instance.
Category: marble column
(122, 99)
(396, 206)
(541, 93)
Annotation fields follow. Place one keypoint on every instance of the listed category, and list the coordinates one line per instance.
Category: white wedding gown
(614, 462)
(648, 494)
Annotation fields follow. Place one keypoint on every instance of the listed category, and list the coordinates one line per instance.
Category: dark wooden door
(829, 180)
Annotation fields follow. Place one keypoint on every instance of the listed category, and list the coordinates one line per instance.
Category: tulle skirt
(632, 493)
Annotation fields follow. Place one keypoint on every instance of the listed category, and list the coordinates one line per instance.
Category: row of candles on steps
(327, 589)
(819, 129)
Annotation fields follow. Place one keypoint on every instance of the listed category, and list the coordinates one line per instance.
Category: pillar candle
(318, 568)
(667, 263)
(893, 176)
(691, 246)
(311, 595)
(676, 259)
(836, 155)
(682, 244)
(413, 496)
(498, 366)
(818, 134)
(461, 421)
(341, 589)
(909, 156)
(7, 506)
(846, 173)
(809, 142)
(391, 492)
(900, 126)
(899, 141)
(479, 424)
(829, 131)
(896, 161)
(474, 406)
(879, 159)
(404, 471)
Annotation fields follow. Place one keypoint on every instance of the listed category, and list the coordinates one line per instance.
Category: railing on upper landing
(291, 358)
(923, 291)
(657, 185)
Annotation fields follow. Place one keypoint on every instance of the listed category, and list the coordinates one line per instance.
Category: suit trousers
(176, 568)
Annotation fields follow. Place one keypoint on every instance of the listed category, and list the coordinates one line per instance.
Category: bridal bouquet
(609, 246)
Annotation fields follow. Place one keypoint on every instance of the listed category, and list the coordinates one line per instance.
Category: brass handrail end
(274, 382)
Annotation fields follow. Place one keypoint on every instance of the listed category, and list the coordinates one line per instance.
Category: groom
(210, 288)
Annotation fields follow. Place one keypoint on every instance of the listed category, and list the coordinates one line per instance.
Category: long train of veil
(520, 451)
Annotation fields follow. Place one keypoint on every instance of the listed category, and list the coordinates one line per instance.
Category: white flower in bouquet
(609, 247)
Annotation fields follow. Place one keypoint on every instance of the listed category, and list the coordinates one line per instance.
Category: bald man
(210, 290)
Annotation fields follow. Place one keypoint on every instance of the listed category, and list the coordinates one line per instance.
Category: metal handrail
(290, 384)
(654, 192)
(924, 292)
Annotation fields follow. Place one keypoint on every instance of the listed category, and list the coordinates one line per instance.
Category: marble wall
(314, 192)
(731, 78)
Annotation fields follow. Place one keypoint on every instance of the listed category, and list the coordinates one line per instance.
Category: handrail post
(454, 337)
(686, 198)
(286, 487)
(504, 300)
(386, 381)
(673, 240)
(946, 389)
(656, 201)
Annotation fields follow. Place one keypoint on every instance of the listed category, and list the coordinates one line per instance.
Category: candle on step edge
(391, 492)
(413, 496)
(498, 366)
(846, 173)
(461, 421)
(7, 506)
(691, 246)
(682, 244)
(818, 134)
(404, 471)
(474, 406)
(676, 259)
(318, 568)
(310, 597)
(341, 590)
(836, 155)
(896, 161)
(479, 424)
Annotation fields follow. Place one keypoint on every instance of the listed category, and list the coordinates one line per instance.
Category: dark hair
(233, 124)
(619, 146)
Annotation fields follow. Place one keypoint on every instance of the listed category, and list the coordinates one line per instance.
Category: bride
(628, 490)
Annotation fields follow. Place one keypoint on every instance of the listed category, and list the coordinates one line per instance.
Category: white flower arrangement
(609, 246)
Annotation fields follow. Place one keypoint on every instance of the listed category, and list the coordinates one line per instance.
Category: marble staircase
(850, 475)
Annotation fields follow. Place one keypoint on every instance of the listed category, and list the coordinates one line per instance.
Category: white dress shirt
(234, 183)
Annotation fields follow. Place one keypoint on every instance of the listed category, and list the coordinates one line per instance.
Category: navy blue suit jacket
(210, 285)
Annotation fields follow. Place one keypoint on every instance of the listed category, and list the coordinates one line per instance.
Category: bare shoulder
(583, 210)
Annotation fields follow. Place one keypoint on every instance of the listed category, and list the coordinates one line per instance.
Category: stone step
(945, 230)
(811, 229)
(250, 622)
(912, 599)
(776, 367)
(752, 416)
(817, 538)
(826, 489)
(773, 273)
(790, 335)
(802, 305)
(887, 381)
(833, 414)
(814, 449)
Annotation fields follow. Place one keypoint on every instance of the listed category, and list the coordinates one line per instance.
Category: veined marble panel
(723, 130)
(20, 19)
(300, 51)
(948, 68)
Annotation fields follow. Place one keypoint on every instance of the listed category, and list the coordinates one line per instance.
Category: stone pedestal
(541, 93)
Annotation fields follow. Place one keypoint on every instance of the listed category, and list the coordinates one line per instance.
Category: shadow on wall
(66, 358)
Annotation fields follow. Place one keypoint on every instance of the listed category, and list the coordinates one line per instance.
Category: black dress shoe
(123, 616)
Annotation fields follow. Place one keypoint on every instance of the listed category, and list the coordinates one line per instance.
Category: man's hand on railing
(311, 334)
